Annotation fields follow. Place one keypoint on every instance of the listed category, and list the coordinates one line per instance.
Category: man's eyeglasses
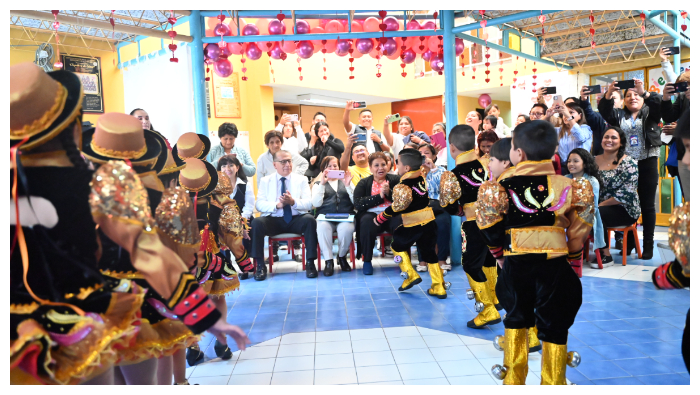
(284, 162)
(536, 114)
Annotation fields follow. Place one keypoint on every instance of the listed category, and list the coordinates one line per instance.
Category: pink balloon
(392, 24)
(224, 52)
(276, 27)
(252, 51)
(212, 51)
(235, 48)
(263, 45)
(394, 56)
(276, 51)
(322, 22)
(459, 46)
(343, 22)
(305, 49)
(484, 100)
(357, 54)
(262, 24)
(427, 25)
(408, 42)
(223, 68)
(409, 56)
(331, 45)
(433, 43)
(413, 25)
(427, 55)
(390, 47)
(222, 29)
(371, 24)
(357, 27)
(364, 45)
(417, 44)
(333, 26)
(303, 27)
(317, 30)
(250, 30)
(289, 46)
(342, 46)
(437, 63)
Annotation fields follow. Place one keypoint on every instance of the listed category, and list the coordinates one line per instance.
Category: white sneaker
(421, 268)
(594, 264)
(446, 266)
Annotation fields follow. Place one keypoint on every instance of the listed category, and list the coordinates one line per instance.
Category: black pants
(368, 232)
(673, 172)
(272, 226)
(685, 345)
(477, 254)
(615, 216)
(648, 182)
(425, 237)
(443, 221)
(541, 292)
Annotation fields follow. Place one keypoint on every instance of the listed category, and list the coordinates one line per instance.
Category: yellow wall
(112, 81)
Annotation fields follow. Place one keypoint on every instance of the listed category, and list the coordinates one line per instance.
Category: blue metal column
(450, 72)
(676, 43)
(200, 99)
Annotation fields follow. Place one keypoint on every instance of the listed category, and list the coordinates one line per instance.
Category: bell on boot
(499, 342)
(573, 359)
(499, 372)
(470, 294)
(478, 307)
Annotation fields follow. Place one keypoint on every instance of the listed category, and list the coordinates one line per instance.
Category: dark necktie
(287, 209)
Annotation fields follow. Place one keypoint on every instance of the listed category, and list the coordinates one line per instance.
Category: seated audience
(228, 133)
(273, 141)
(442, 218)
(474, 119)
(332, 195)
(619, 175)
(574, 133)
(522, 118)
(284, 202)
(502, 130)
(443, 152)
(582, 164)
(391, 161)
(294, 138)
(321, 145)
(375, 141)
(372, 196)
(360, 169)
(406, 134)
(484, 142)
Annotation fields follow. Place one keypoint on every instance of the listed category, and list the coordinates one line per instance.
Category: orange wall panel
(423, 112)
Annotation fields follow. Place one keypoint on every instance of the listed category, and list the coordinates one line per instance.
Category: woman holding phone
(333, 194)
(321, 145)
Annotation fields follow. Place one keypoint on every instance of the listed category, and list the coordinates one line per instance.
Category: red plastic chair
(381, 242)
(624, 231)
(289, 237)
(586, 247)
(352, 252)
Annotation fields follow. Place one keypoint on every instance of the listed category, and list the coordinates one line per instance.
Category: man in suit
(284, 202)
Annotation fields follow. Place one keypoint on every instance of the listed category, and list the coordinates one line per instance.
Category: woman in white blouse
(293, 134)
(332, 195)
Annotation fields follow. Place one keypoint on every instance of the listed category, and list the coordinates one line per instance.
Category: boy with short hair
(538, 221)
(413, 221)
(458, 193)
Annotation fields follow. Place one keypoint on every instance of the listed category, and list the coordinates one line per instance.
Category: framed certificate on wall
(89, 70)
(227, 97)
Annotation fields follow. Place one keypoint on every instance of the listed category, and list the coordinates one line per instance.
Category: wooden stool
(624, 231)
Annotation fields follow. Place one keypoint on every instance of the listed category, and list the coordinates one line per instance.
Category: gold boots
(491, 277)
(514, 368)
(532, 340)
(438, 287)
(554, 361)
(488, 315)
(407, 271)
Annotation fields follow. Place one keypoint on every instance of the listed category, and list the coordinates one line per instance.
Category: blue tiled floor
(626, 331)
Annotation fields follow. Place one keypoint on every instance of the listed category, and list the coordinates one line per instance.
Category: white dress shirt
(247, 209)
(266, 165)
(270, 190)
(318, 191)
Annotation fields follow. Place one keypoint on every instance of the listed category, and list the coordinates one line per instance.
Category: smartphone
(626, 84)
(593, 89)
(361, 137)
(674, 50)
(550, 90)
(394, 118)
(294, 117)
(359, 104)
(680, 87)
(336, 174)
(438, 140)
(557, 101)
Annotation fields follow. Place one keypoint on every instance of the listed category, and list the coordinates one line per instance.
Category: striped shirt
(581, 136)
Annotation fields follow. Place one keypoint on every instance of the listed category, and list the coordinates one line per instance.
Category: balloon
(322, 22)
(331, 45)
(437, 63)
(262, 24)
(433, 43)
(303, 27)
(394, 56)
(224, 52)
(371, 24)
(333, 26)
(235, 48)
(305, 49)
(344, 22)
(252, 51)
(484, 100)
(317, 30)
(357, 27)
(289, 46)
(342, 47)
(413, 25)
(276, 51)
(234, 28)
(408, 43)
(222, 29)
(427, 25)
(459, 46)
(389, 47)
(409, 56)
(212, 51)
(263, 45)
(427, 55)
(276, 27)
(250, 30)
(364, 45)
(417, 44)
(212, 22)
(392, 24)
(357, 54)
(223, 68)
(316, 47)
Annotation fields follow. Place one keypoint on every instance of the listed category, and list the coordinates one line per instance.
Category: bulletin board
(89, 71)
(227, 97)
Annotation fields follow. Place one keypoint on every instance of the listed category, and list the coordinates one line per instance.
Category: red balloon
(331, 45)
(427, 25)
(433, 43)
(212, 51)
(317, 30)
(222, 29)
(389, 47)
(263, 24)
(364, 45)
(357, 27)
(392, 24)
(408, 43)
(235, 48)
(234, 28)
(250, 30)
(416, 46)
(334, 26)
(413, 25)
(223, 68)
(394, 56)
(371, 24)
(357, 54)
(437, 63)
(303, 27)
(276, 51)
(263, 45)
(484, 100)
(289, 46)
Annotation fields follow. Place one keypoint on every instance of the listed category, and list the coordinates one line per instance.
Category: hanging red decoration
(487, 64)
(172, 33)
(403, 57)
(243, 68)
(440, 52)
(269, 60)
(472, 61)
(515, 69)
(350, 58)
(474, 72)
(301, 77)
(435, 15)
(58, 64)
(323, 51)
(542, 18)
(684, 15)
(500, 69)
(643, 27)
(461, 62)
(534, 77)
(592, 30)
(114, 48)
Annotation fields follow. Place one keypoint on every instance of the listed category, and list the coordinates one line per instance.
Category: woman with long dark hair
(321, 145)
(573, 132)
(484, 143)
(142, 115)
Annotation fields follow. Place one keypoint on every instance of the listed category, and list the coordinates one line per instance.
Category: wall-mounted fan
(44, 57)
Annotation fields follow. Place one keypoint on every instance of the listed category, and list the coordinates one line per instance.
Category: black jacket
(363, 193)
(333, 147)
(650, 114)
(670, 112)
(597, 124)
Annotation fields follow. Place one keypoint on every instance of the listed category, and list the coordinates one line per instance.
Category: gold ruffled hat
(199, 176)
(191, 145)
